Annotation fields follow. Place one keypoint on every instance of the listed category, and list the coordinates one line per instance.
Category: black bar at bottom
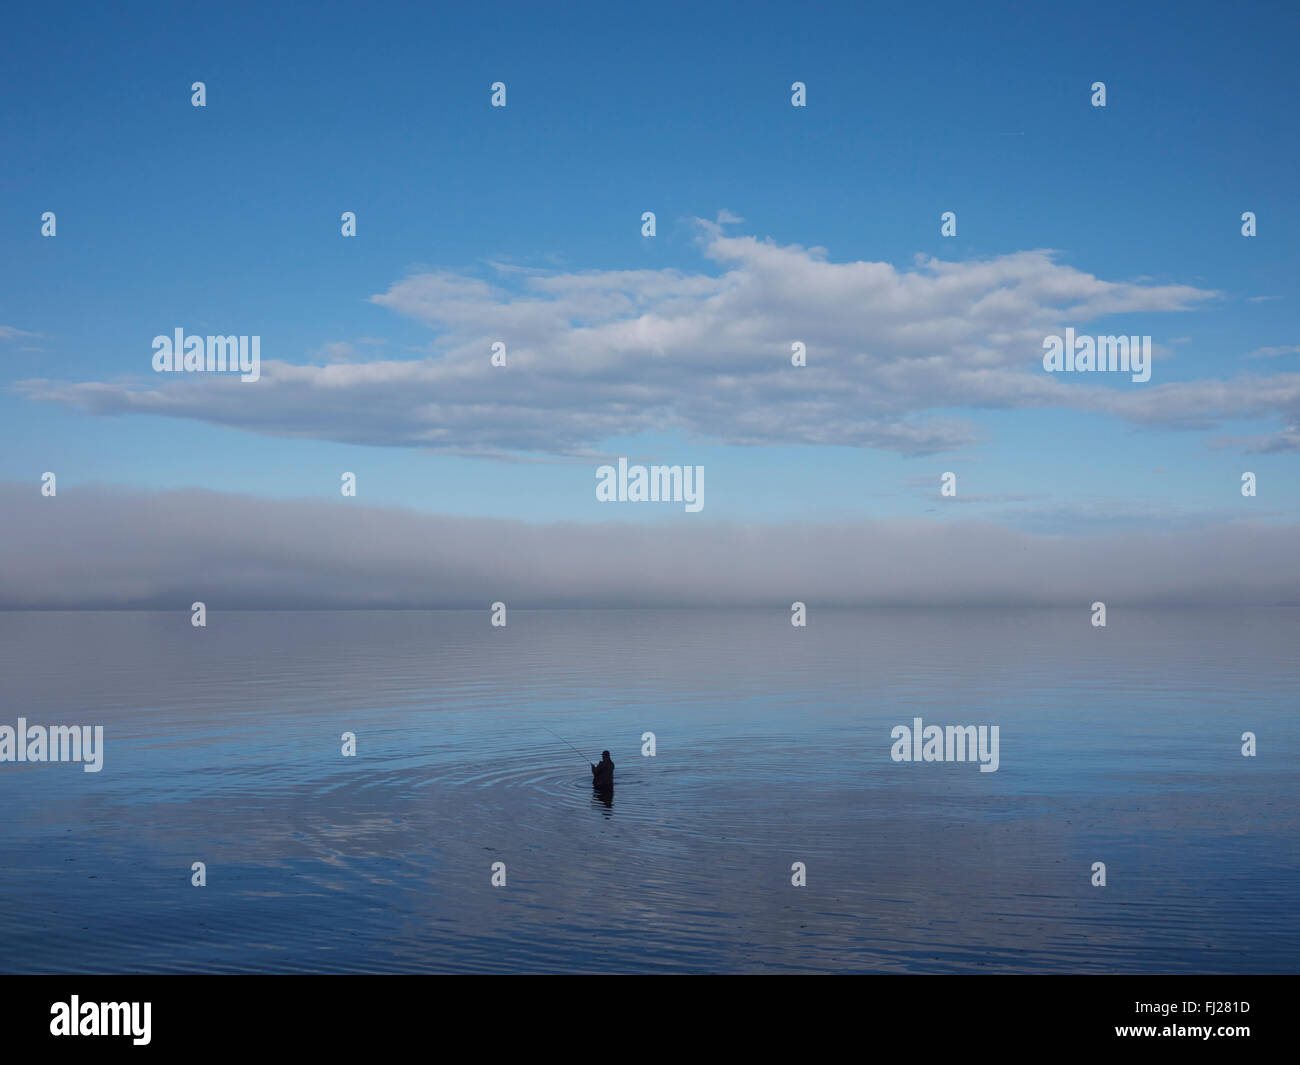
(343, 1015)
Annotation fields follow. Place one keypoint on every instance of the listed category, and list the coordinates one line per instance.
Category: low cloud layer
(893, 358)
(100, 548)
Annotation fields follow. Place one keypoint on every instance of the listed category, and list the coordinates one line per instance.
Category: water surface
(223, 744)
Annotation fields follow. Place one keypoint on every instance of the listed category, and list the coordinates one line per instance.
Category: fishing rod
(566, 743)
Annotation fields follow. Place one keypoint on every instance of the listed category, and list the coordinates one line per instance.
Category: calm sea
(1119, 745)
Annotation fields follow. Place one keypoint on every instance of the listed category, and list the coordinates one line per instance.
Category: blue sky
(225, 219)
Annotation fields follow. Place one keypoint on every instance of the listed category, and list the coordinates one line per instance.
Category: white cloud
(893, 355)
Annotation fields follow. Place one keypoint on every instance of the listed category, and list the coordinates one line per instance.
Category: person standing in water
(602, 775)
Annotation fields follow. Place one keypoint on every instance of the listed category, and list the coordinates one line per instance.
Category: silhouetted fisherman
(602, 774)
